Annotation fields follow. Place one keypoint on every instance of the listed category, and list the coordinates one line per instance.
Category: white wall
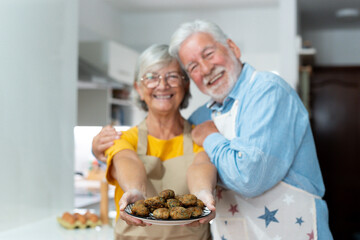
(335, 47)
(266, 36)
(289, 60)
(38, 59)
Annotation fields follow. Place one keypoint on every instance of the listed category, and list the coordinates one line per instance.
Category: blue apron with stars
(281, 213)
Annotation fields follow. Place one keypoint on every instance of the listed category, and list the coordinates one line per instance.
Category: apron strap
(188, 143)
(142, 138)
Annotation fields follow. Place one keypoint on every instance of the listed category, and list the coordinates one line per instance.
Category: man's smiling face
(212, 66)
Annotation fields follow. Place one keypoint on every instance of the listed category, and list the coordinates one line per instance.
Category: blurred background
(66, 70)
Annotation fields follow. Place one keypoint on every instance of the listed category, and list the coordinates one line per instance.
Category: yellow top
(163, 149)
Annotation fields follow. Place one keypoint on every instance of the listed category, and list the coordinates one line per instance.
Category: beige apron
(283, 212)
(170, 174)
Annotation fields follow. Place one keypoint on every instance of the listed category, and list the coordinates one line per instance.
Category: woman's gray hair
(190, 28)
(153, 58)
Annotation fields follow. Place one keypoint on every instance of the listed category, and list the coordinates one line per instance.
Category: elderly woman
(159, 153)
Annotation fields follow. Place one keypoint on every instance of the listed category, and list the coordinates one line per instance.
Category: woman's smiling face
(163, 98)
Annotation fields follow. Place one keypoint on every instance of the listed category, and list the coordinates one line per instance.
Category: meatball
(139, 202)
(161, 213)
(154, 203)
(170, 203)
(178, 197)
(200, 204)
(140, 210)
(166, 194)
(188, 200)
(180, 213)
(195, 211)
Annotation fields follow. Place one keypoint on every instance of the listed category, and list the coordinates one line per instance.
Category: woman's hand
(127, 198)
(208, 198)
(103, 140)
(201, 179)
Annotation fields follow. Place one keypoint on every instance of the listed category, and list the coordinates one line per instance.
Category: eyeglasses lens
(152, 80)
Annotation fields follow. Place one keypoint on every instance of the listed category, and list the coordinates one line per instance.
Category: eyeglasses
(152, 79)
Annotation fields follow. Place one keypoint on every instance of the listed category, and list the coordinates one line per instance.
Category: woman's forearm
(201, 174)
(129, 171)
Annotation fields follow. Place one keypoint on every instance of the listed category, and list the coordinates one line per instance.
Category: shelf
(307, 51)
(99, 83)
(91, 85)
(120, 102)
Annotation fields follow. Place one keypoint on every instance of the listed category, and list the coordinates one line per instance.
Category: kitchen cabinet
(101, 99)
(106, 74)
(112, 58)
(99, 105)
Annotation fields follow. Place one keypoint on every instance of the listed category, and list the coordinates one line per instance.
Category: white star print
(312, 211)
(288, 199)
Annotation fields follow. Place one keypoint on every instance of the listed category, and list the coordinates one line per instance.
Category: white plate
(155, 221)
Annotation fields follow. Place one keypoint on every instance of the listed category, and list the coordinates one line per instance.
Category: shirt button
(239, 154)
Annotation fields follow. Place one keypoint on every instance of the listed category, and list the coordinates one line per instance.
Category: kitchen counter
(49, 228)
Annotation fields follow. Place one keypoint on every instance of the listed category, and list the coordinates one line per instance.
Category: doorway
(335, 120)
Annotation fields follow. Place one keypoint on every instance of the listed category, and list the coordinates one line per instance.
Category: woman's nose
(163, 83)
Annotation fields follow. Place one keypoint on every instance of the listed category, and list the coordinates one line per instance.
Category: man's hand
(201, 131)
(103, 141)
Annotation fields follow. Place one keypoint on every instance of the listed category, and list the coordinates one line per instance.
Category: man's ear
(234, 48)
(139, 90)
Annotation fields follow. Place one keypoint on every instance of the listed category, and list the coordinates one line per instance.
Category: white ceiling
(152, 5)
(313, 13)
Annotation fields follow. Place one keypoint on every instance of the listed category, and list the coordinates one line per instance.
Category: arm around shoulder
(102, 141)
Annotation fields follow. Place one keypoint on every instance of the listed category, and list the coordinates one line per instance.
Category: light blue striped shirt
(274, 136)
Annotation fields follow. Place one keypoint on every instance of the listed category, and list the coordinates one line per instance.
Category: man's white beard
(220, 91)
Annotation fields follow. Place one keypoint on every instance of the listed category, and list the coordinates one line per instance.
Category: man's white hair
(187, 29)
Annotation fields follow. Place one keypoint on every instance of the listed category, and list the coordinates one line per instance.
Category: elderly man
(259, 139)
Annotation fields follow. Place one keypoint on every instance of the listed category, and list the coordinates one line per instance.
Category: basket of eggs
(78, 220)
